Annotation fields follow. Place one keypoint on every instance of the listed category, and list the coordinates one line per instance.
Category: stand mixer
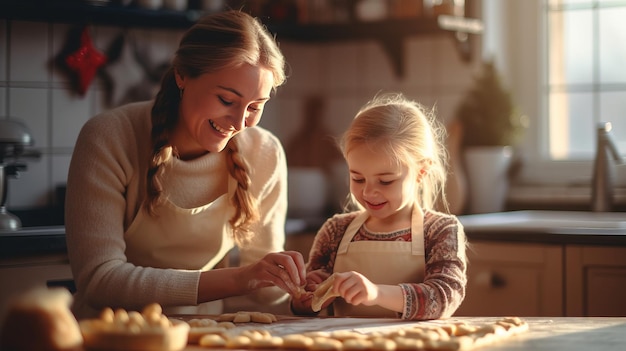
(14, 137)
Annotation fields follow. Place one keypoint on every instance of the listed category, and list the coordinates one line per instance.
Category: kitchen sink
(547, 220)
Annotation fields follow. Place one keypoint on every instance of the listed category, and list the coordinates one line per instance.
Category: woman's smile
(224, 132)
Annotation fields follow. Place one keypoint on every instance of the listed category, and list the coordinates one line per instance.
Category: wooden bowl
(173, 338)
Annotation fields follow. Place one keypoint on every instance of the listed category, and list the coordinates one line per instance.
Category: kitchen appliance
(15, 137)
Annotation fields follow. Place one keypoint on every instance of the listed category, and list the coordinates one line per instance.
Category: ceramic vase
(487, 170)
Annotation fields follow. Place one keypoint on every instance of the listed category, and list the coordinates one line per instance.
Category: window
(586, 74)
(565, 61)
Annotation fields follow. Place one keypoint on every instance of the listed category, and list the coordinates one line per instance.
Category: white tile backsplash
(378, 68)
(60, 37)
(345, 67)
(69, 112)
(306, 69)
(3, 49)
(347, 74)
(29, 54)
(30, 105)
(3, 103)
(455, 71)
(420, 63)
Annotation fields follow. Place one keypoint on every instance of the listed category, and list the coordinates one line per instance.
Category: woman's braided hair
(223, 40)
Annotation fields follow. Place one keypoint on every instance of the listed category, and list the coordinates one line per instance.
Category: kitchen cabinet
(595, 280)
(20, 274)
(389, 33)
(517, 279)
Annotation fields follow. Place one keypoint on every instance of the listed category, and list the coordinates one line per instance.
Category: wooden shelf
(391, 34)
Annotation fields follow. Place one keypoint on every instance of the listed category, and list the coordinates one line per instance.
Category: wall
(346, 75)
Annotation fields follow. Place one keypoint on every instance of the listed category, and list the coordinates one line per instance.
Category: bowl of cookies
(148, 330)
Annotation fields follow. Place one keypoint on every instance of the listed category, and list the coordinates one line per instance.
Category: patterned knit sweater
(443, 288)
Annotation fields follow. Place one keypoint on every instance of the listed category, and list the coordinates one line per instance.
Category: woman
(159, 192)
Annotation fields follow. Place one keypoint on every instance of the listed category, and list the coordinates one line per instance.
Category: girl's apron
(382, 262)
(193, 239)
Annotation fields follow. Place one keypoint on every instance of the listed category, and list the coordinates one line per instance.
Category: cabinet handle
(490, 280)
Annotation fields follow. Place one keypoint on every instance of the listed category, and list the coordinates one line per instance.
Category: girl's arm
(443, 288)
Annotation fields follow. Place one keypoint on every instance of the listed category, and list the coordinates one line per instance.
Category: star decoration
(125, 72)
(85, 61)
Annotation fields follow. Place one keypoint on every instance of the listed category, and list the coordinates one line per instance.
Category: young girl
(395, 256)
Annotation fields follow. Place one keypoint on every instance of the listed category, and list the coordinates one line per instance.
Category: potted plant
(492, 126)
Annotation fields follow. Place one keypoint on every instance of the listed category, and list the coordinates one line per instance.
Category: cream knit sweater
(106, 188)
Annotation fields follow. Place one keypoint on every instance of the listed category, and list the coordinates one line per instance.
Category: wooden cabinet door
(20, 275)
(595, 281)
(513, 279)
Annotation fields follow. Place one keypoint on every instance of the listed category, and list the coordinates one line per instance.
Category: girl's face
(217, 106)
(385, 189)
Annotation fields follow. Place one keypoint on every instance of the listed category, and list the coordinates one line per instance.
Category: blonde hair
(409, 134)
(218, 41)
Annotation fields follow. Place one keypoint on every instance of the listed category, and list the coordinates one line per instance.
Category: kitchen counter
(554, 334)
(548, 227)
(568, 227)
(31, 241)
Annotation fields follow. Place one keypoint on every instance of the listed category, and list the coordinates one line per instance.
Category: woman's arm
(102, 186)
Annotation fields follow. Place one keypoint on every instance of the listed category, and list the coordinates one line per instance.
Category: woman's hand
(283, 269)
(302, 304)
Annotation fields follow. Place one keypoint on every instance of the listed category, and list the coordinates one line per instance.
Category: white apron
(382, 262)
(196, 238)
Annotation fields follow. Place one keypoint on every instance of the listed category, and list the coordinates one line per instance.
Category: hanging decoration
(85, 62)
(124, 71)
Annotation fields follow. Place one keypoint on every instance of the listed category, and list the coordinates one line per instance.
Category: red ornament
(85, 61)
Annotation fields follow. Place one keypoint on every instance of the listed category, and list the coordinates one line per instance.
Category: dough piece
(409, 344)
(383, 344)
(212, 340)
(357, 344)
(269, 342)
(226, 325)
(41, 320)
(297, 341)
(241, 317)
(202, 322)
(262, 317)
(342, 335)
(226, 317)
(321, 343)
(238, 342)
(196, 333)
(246, 317)
(459, 344)
(323, 293)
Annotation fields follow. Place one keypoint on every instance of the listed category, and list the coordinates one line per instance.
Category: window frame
(515, 35)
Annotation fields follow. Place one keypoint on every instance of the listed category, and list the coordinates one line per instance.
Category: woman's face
(385, 189)
(217, 106)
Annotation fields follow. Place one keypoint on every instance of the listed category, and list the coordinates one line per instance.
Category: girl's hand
(356, 289)
(283, 269)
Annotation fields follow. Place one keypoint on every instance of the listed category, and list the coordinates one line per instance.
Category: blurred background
(557, 63)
